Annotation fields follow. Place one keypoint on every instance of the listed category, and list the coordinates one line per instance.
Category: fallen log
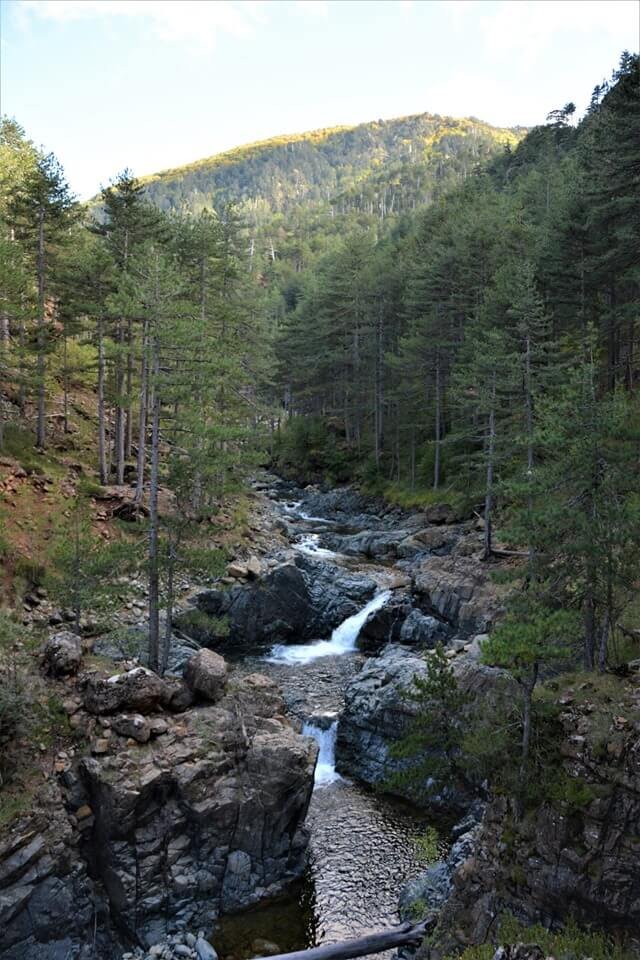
(406, 935)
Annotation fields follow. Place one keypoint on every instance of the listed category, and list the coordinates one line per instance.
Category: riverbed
(363, 845)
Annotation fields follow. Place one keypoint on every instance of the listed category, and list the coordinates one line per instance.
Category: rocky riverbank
(182, 799)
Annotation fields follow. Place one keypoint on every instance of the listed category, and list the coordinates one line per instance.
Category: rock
(48, 903)
(100, 746)
(419, 630)
(137, 691)
(460, 591)
(237, 570)
(177, 696)
(206, 675)
(441, 513)
(254, 567)
(204, 950)
(132, 725)
(206, 819)
(384, 625)
(296, 601)
(62, 653)
(157, 726)
(377, 711)
(264, 948)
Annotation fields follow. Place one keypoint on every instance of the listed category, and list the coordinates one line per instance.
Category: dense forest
(441, 315)
(486, 350)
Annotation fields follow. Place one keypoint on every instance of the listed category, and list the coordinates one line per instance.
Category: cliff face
(153, 831)
(574, 856)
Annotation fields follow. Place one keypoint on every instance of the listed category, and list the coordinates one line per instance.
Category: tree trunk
(154, 573)
(406, 935)
(488, 500)
(119, 424)
(526, 727)
(102, 447)
(128, 432)
(438, 425)
(41, 363)
(142, 417)
(166, 641)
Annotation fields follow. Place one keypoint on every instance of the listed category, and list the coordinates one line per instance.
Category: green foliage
(430, 751)
(572, 943)
(428, 846)
(14, 698)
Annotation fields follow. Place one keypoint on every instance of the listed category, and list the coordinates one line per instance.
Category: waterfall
(326, 740)
(343, 639)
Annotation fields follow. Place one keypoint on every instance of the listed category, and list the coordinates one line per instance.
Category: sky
(151, 84)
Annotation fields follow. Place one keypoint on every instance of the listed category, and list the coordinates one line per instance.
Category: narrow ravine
(363, 844)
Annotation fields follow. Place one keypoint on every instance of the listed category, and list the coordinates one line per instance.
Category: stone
(204, 950)
(137, 691)
(206, 675)
(62, 653)
(132, 725)
(264, 948)
(296, 601)
(419, 630)
(441, 513)
(100, 746)
(237, 570)
(205, 821)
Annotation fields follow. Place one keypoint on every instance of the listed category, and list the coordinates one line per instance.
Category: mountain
(381, 167)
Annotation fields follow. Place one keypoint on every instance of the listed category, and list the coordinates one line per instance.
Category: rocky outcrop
(459, 590)
(207, 818)
(576, 855)
(378, 710)
(297, 601)
(171, 821)
(48, 902)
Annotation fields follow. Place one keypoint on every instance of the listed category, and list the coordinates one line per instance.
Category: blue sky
(151, 84)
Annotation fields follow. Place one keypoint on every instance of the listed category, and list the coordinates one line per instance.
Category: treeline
(156, 317)
(487, 350)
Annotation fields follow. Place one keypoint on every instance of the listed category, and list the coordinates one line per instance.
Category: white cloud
(197, 21)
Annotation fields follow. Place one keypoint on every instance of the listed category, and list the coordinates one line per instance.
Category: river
(363, 844)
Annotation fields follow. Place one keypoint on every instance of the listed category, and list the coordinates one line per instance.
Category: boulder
(459, 590)
(441, 513)
(419, 630)
(384, 626)
(207, 818)
(378, 710)
(136, 691)
(206, 675)
(132, 725)
(297, 601)
(62, 653)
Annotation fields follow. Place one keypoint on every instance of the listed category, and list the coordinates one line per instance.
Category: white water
(343, 639)
(326, 740)
(310, 545)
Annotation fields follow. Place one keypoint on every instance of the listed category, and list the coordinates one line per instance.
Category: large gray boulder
(378, 710)
(206, 675)
(207, 818)
(297, 601)
(62, 653)
(136, 691)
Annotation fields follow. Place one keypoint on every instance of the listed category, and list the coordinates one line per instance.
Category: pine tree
(42, 210)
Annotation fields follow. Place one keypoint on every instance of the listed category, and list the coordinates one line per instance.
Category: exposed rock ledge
(208, 817)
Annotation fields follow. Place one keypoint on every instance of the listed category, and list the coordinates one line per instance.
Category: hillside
(386, 165)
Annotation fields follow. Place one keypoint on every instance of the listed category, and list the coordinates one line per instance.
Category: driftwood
(406, 935)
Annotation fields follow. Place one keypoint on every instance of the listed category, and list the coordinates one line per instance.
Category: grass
(572, 943)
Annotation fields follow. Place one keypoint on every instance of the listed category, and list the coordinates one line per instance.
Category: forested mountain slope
(384, 165)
